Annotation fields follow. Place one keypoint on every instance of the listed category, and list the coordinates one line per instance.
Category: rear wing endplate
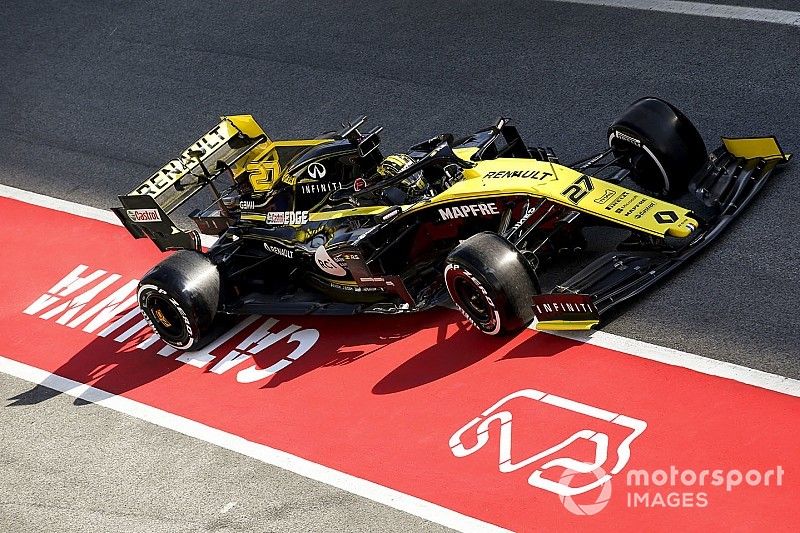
(143, 217)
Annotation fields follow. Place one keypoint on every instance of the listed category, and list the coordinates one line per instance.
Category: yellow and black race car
(330, 225)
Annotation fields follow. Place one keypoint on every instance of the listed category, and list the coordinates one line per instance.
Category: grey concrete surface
(70, 466)
(94, 96)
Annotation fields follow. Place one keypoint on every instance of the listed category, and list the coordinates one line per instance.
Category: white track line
(73, 208)
(757, 14)
(229, 441)
(698, 363)
(645, 350)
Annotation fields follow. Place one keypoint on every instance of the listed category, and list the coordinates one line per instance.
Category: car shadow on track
(462, 349)
(104, 364)
(423, 348)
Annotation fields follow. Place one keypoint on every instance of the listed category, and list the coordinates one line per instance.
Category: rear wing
(226, 148)
(225, 145)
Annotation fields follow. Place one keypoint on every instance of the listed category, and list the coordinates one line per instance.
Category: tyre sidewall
(625, 140)
(501, 275)
(493, 324)
(186, 288)
(657, 131)
(147, 295)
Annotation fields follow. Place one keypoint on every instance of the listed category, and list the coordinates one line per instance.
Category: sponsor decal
(326, 263)
(553, 306)
(549, 309)
(75, 302)
(279, 250)
(316, 170)
(578, 190)
(245, 205)
(598, 429)
(591, 161)
(666, 217)
(144, 215)
(469, 210)
(617, 200)
(636, 206)
(606, 196)
(529, 174)
(630, 204)
(177, 168)
(287, 217)
(348, 256)
(359, 184)
(644, 211)
(632, 198)
(380, 284)
(523, 220)
(315, 188)
(354, 288)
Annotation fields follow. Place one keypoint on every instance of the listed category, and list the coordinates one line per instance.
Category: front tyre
(179, 298)
(491, 284)
(659, 144)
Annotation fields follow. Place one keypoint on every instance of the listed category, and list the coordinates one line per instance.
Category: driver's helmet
(394, 164)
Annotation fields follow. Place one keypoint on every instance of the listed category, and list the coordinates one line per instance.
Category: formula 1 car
(330, 226)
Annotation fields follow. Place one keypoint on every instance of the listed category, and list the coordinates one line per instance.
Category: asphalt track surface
(95, 96)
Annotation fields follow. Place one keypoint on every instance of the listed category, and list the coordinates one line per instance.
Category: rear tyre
(491, 284)
(179, 299)
(659, 145)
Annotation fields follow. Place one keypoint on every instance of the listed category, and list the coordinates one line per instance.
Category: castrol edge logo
(144, 215)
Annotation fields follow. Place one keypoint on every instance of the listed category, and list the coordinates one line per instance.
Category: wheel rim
(166, 318)
(472, 299)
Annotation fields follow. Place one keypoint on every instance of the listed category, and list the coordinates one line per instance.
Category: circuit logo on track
(98, 302)
(576, 425)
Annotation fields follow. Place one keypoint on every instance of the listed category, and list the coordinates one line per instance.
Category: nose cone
(684, 228)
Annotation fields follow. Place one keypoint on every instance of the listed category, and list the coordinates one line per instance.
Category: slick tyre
(491, 284)
(179, 297)
(660, 146)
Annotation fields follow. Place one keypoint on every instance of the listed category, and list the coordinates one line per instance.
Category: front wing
(728, 183)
